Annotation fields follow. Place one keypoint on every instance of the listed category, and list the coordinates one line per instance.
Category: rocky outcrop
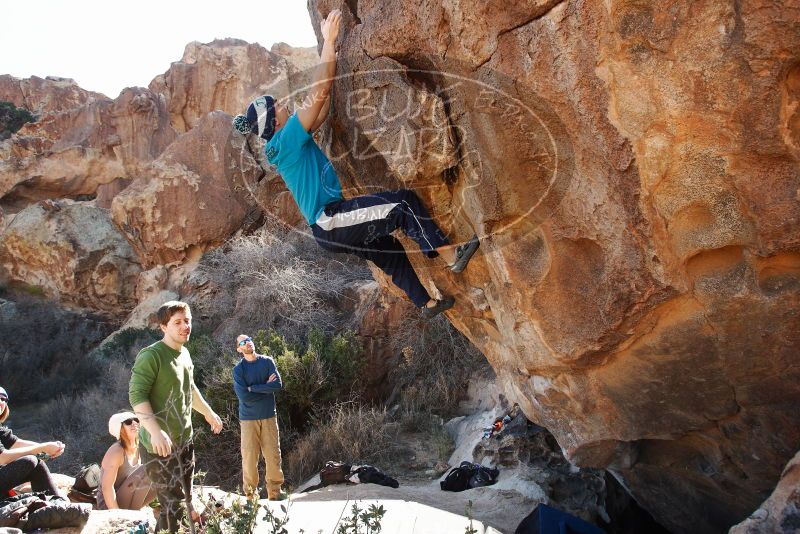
(532, 466)
(76, 151)
(137, 155)
(45, 95)
(225, 75)
(71, 252)
(188, 199)
(780, 514)
(112, 522)
(85, 145)
(633, 173)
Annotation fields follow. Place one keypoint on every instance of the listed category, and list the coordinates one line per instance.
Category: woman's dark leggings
(26, 469)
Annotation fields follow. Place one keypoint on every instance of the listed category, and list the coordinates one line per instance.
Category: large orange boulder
(86, 145)
(632, 170)
(75, 152)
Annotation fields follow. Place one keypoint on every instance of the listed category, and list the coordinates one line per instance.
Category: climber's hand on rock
(330, 26)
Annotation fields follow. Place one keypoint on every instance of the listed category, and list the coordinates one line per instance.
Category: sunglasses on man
(243, 342)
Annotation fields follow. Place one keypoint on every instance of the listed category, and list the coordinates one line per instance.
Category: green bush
(314, 375)
(369, 518)
(125, 344)
(12, 119)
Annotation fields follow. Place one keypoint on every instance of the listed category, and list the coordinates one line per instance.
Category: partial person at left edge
(23, 460)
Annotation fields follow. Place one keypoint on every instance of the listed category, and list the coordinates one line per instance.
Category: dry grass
(282, 278)
(45, 350)
(81, 420)
(437, 363)
(348, 432)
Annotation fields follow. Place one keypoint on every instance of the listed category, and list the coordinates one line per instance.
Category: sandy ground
(419, 507)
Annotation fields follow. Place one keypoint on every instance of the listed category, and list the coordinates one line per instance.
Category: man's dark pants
(172, 479)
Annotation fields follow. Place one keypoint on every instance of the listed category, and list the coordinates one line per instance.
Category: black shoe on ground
(464, 253)
(440, 306)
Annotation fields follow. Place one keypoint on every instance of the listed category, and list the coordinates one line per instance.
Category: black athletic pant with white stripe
(363, 226)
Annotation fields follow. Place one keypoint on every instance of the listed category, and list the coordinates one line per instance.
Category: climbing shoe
(464, 253)
(440, 306)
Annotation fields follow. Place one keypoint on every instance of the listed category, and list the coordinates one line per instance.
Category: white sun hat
(115, 422)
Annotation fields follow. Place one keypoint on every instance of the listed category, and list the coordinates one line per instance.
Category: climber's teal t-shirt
(305, 170)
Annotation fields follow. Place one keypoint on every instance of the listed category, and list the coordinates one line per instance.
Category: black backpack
(467, 476)
(483, 476)
(458, 477)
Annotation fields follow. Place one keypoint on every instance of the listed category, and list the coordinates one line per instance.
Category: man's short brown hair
(168, 309)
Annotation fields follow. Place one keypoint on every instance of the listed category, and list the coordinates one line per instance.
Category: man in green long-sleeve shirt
(162, 393)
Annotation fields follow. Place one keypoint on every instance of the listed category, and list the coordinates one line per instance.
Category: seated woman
(123, 480)
(19, 462)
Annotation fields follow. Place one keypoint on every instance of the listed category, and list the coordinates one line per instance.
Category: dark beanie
(261, 116)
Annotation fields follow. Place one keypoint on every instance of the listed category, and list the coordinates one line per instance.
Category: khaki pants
(260, 437)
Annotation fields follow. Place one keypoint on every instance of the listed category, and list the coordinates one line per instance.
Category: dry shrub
(437, 363)
(348, 432)
(281, 278)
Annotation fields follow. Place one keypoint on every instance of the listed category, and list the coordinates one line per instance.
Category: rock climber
(362, 225)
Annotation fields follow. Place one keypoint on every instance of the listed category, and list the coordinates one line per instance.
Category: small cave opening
(625, 514)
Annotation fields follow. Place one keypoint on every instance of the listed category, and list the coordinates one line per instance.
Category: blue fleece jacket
(256, 395)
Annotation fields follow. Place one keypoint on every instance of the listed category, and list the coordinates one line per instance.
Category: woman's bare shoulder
(114, 455)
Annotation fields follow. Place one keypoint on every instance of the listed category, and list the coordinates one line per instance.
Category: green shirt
(164, 377)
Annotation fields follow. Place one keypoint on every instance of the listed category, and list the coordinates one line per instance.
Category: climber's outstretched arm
(323, 114)
(323, 75)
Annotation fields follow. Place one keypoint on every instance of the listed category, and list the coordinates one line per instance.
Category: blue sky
(107, 46)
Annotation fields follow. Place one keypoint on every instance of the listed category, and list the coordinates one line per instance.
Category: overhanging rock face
(633, 171)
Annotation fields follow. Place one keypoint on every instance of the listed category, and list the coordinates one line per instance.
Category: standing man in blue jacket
(255, 381)
(362, 225)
